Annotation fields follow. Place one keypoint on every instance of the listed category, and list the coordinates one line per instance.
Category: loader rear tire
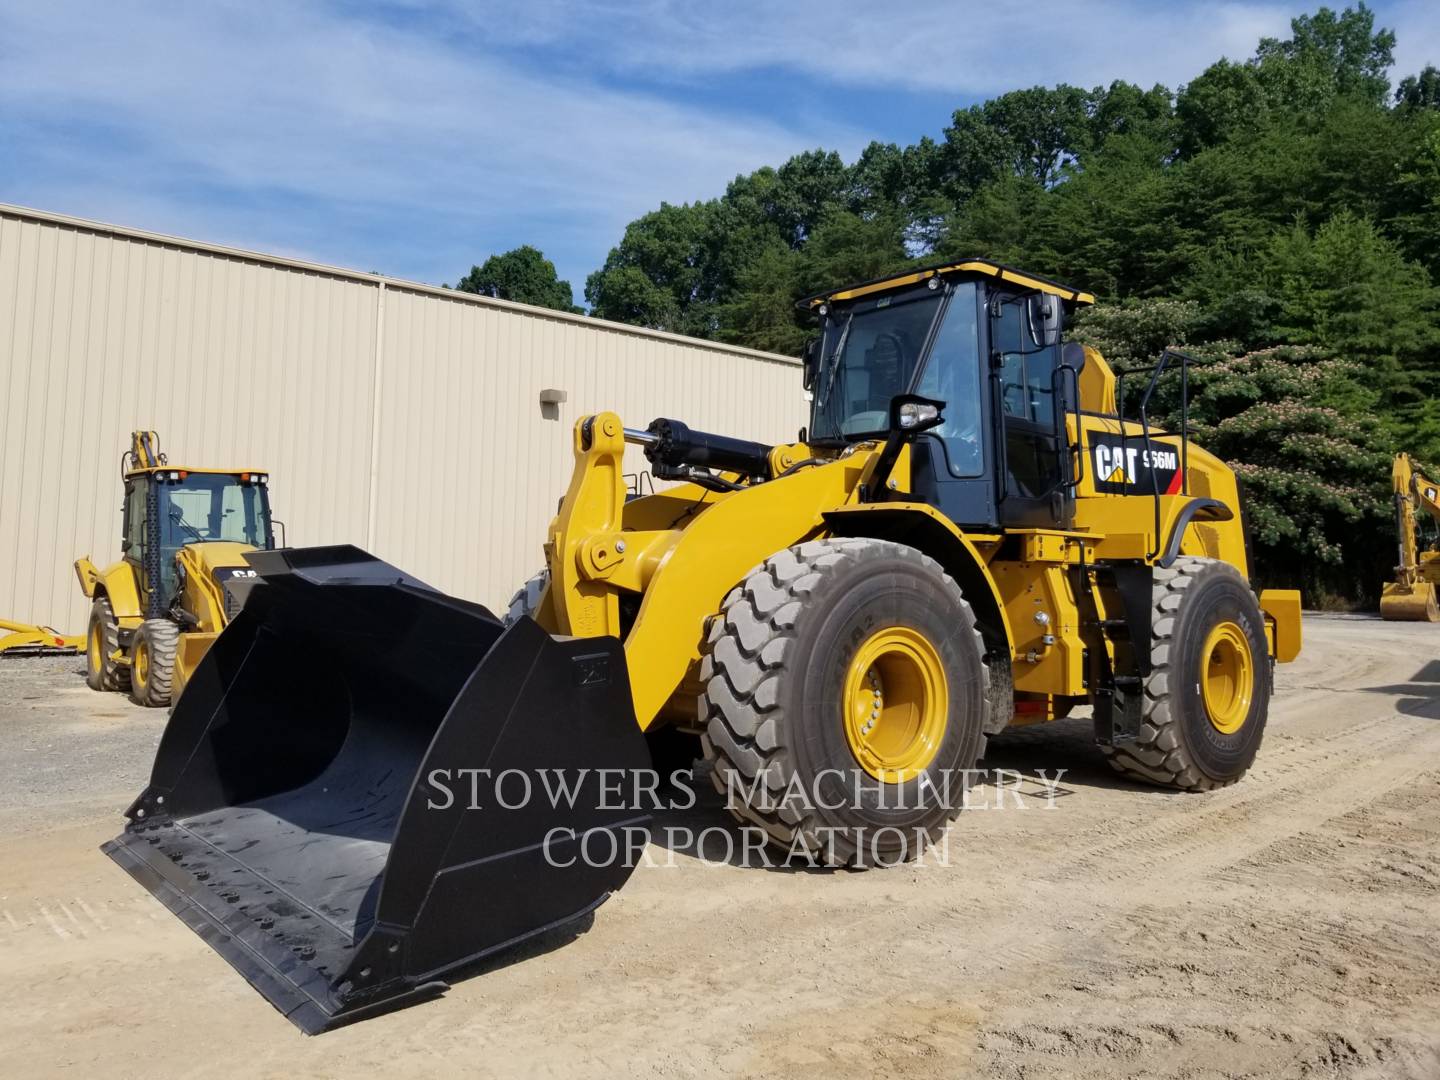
(102, 640)
(792, 646)
(1208, 692)
(152, 663)
(526, 600)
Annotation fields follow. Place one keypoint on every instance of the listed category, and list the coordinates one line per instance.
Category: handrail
(1156, 370)
(1057, 390)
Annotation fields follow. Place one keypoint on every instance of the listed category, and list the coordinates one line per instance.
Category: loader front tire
(102, 641)
(845, 701)
(1208, 692)
(152, 662)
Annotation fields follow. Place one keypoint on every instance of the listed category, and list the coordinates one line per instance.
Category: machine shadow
(1418, 697)
(1066, 747)
(1058, 758)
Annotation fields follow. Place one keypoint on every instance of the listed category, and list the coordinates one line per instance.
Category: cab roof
(962, 268)
(148, 469)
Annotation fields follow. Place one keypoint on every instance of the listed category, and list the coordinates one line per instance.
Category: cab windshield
(868, 354)
(210, 506)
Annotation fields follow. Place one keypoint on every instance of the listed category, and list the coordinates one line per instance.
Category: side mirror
(1044, 318)
(812, 352)
(911, 414)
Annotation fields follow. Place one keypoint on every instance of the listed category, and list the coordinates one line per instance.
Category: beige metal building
(400, 417)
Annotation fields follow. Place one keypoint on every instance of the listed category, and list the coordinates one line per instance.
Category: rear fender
(116, 583)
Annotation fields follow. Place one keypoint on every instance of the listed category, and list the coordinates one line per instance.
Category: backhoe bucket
(368, 784)
(1409, 603)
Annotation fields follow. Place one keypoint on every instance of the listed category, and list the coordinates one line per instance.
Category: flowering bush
(1304, 431)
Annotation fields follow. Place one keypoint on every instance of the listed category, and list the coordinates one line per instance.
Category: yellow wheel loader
(181, 574)
(1411, 596)
(370, 784)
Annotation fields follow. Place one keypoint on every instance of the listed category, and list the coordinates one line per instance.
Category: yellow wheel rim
(1227, 677)
(94, 651)
(142, 662)
(896, 704)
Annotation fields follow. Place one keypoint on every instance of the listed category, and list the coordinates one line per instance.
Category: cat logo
(1128, 466)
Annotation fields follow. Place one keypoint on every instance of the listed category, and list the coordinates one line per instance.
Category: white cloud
(961, 48)
(293, 98)
(468, 127)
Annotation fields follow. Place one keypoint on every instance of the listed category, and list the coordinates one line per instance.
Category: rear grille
(233, 590)
(233, 603)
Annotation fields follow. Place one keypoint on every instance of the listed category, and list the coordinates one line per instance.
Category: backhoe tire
(102, 640)
(1208, 693)
(152, 662)
(790, 667)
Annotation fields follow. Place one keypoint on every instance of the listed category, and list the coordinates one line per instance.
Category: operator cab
(167, 509)
(985, 340)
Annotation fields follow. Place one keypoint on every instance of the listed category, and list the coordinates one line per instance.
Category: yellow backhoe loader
(1411, 596)
(182, 571)
(968, 536)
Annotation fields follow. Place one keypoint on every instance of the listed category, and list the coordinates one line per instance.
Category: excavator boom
(1411, 597)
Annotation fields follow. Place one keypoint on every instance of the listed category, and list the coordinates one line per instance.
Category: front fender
(715, 552)
(924, 528)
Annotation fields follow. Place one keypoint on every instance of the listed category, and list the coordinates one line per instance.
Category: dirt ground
(1288, 926)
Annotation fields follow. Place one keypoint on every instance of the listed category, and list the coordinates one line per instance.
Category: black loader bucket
(319, 810)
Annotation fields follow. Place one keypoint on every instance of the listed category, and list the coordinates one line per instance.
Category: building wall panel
(395, 416)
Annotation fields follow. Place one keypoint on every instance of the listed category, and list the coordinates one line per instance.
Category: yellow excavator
(1411, 596)
(370, 784)
(182, 571)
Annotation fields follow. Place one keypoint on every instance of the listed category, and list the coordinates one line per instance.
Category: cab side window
(134, 534)
(1026, 370)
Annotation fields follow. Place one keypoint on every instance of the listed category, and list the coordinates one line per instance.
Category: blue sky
(415, 137)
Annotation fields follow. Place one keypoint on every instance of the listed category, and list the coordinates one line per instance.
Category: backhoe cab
(969, 536)
(181, 575)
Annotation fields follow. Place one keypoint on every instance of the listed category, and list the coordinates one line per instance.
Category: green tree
(1420, 91)
(660, 275)
(1327, 56)
(1029, 133)
(523, 275)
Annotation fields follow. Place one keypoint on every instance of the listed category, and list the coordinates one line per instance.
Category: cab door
(952, 466)
(140, 544)
(1033, 489)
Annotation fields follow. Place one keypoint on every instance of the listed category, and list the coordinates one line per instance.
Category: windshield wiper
(834, 361)
(179, 519)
